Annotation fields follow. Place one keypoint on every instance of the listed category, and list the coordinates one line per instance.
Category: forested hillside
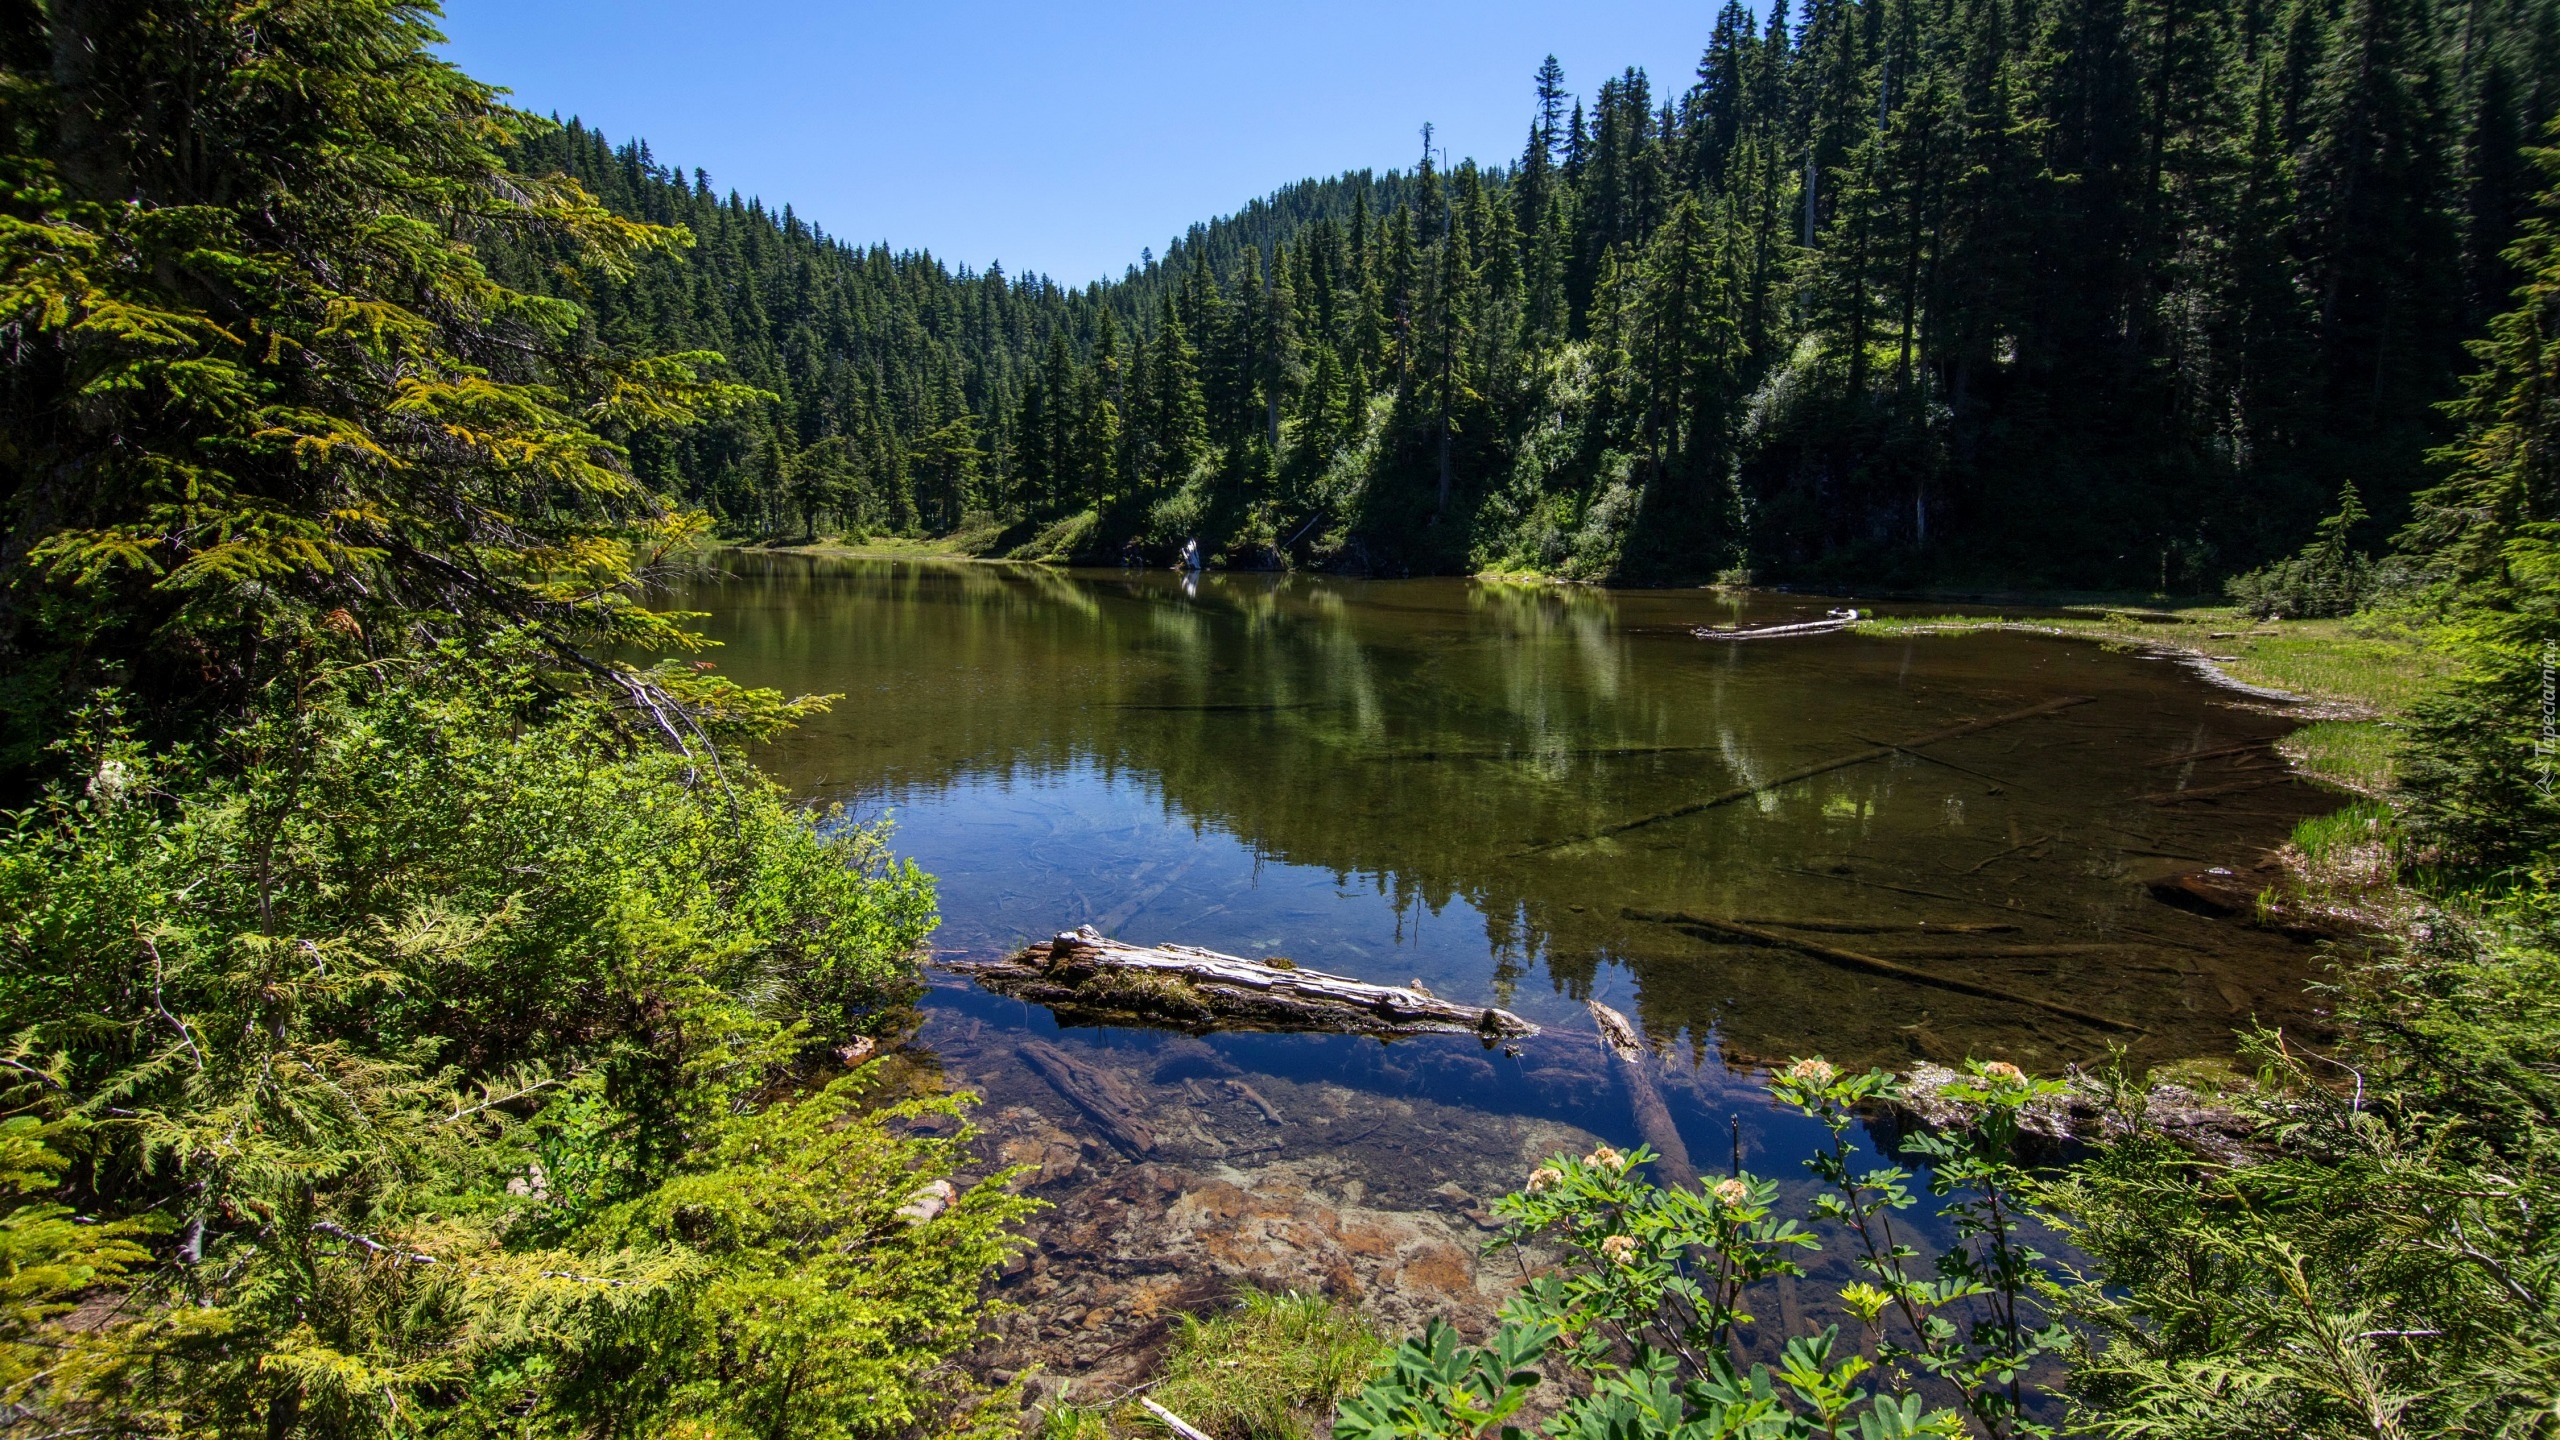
(2085, 291)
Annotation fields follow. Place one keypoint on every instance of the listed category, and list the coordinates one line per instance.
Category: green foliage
(453, 1040)
(1269, 1369)
(49, 1257)
(2380, 1265)
(414, 1021)
(2482, 760)
(1437, 1389)
(1648, 1311)
(262, 386)
(2329, 578)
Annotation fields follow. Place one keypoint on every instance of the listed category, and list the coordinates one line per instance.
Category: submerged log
(1653, 1118)
(1104, 1098)
(1807, 772)
(2213, 792)
(1873, 927)
(1255, 1098)
(1084, 977)
(1853, 960)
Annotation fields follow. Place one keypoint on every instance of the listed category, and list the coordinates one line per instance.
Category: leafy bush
(1647, 1311)
(453, 1043)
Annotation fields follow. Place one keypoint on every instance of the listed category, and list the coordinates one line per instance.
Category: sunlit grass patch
(1269, 1369)
(2323, 660)
(2358, 755)
(2359, 662)
(1066, 1420)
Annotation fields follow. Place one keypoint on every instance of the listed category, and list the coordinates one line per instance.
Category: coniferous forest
(419, 1016)
(2097, 292)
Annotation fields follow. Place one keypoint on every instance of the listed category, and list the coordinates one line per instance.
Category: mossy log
(1084, 977)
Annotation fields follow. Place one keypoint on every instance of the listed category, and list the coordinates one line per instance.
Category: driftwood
(2053, 1126)
(1104, 1098)
(1978, 866)
(2193, 755)
(1772, 632)
(1182, 1428)
(1807, 772)
(2004, 952)
(2219, 891)
(1862, 881)
(1653, 1118)
(1853, 960)
(1083, 976)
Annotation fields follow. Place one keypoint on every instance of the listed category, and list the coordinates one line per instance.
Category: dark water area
(1403, 780)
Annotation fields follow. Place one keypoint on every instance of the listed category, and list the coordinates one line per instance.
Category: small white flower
(109, 786)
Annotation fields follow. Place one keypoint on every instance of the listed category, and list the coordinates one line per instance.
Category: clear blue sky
(1053, 137)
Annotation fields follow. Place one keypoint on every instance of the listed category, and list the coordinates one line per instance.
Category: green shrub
(2384, 1264)
(1643, 1315)
(454, 1042)
(2325, 580)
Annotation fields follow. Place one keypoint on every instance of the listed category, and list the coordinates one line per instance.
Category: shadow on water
(1487, 787)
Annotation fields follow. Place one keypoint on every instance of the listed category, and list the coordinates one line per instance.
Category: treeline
(2091, 291)
(893, 382)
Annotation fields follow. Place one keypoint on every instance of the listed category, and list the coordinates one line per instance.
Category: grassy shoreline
(2353, 680)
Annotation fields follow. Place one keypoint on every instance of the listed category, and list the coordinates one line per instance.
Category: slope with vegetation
(415, 1022)
(2103, 293)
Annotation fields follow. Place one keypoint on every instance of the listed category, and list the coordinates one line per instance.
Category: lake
(1490, 787)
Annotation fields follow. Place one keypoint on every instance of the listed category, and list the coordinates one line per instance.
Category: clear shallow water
(1389, 779)
(1370, 777)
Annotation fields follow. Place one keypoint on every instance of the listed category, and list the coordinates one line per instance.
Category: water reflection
(1389, 779)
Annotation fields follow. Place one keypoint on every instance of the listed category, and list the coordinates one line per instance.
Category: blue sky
(1057, 137)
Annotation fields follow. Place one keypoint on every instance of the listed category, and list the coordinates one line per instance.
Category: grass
(1272, 1368)
(2362, 756)
(2371, 668)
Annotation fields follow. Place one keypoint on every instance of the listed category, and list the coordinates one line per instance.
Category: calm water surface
(1388, 779)
(1402, 780)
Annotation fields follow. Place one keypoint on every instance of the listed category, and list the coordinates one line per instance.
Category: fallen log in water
(1084, 977)
(1772, 632)
(1104, 1098)
(1879, 752)
(1853, 960)
(1653, 1118)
